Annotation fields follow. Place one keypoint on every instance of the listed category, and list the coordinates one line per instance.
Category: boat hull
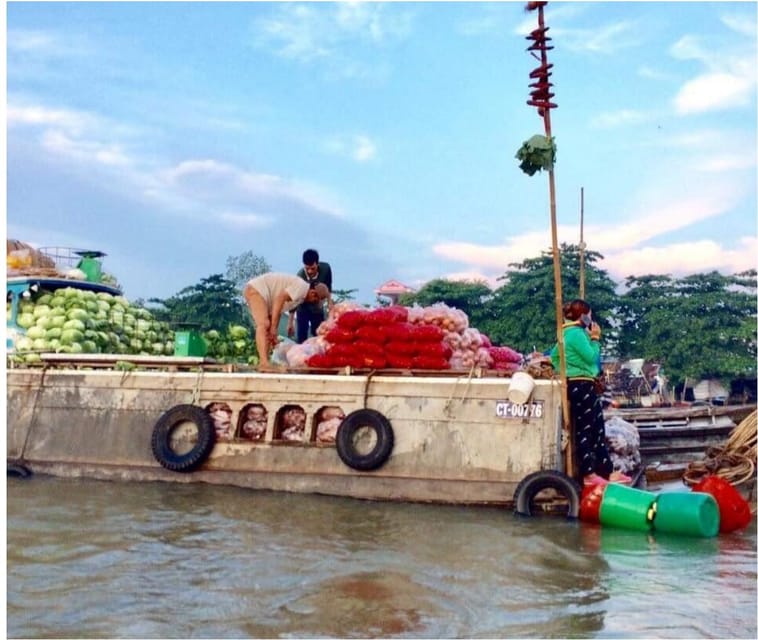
(452, 441)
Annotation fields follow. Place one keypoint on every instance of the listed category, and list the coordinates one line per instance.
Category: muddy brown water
(152, 560)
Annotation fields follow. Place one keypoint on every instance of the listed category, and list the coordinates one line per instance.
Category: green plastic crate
(189, 343)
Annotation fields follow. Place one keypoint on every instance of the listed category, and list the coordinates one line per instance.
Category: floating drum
(734, 510)
(589, 507)
(521, 387)
(689, 514)
(627, 508)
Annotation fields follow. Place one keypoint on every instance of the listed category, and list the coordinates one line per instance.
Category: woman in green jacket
(581, 342)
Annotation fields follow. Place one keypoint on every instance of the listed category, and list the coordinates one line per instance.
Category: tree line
(698, 326)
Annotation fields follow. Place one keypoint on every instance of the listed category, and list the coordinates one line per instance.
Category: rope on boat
(735, 461)
(449, 404)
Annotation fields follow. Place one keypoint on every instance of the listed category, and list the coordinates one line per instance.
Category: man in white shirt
(270, 295)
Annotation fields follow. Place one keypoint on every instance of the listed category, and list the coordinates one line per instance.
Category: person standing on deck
(270, 295)
(309, 315)
(581, 340)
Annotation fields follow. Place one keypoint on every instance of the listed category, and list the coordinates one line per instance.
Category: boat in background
(680, 434)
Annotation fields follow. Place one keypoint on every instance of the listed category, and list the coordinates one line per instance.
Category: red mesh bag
(396, 361)
(387, 315)
(319, 361)
(434, 350)
(339, 335)
(401, 348)
(427, 333)
(401, 331)
(375, 362)
(371, 333)
(356, 361)
(342, 350)
(339, 360)
(504, 354)
(352, 319)
(429, 362)
(364, 349)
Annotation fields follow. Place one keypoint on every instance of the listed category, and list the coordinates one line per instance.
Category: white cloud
(87, 150)
(474, 276)
(680, 259)
(25, 40)
(245, 220)
(723, 163)
(619, 118)
(626, 246)
(90, 144)
(714, 91)
(217, 185)
(46, 43)
(365, 149)
(740, 24)
(727, 81)
(605, 39)
(360, 148)
(72, 121)
(654, 74)
(306, 32)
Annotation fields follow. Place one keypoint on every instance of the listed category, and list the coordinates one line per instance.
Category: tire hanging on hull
(161, 439)
(533, 484)
(346, 441)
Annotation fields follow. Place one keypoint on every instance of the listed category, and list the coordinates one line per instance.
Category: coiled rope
(735, 461)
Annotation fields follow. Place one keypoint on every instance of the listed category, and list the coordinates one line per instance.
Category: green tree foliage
(213, 303)
(697, 327)
(521, 313)
(341, 295)
(241, 268)
(469, 297)
(700, 326)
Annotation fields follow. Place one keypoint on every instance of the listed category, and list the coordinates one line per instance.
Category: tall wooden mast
(541, 99)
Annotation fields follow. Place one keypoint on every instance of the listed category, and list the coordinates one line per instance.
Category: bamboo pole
(567, 430)
(581, 243)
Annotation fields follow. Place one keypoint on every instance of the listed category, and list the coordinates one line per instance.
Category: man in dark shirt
(310, 314)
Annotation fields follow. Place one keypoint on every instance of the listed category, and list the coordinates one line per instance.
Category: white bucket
(521, 387)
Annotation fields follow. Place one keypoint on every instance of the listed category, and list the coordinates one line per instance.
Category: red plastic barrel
(733, 508)
(589, 507)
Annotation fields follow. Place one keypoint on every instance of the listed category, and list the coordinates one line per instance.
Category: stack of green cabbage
(234, 345)
(73, 320)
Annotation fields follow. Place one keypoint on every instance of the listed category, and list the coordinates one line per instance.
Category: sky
(172, 136)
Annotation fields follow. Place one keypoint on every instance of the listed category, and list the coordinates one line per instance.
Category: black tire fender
(346, 441)
(538, 481)
(161, 439)
(17, 470)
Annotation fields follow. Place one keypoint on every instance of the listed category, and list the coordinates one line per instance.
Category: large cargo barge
(441, 438)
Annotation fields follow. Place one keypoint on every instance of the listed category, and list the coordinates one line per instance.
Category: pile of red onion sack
(436, 337)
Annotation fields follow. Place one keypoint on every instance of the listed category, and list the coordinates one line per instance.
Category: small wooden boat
(679, 434)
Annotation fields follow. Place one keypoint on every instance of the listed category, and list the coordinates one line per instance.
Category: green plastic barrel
(689, 514)
(626, 508)
(91, 268)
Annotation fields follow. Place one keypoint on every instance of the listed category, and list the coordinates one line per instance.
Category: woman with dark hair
(581, 342)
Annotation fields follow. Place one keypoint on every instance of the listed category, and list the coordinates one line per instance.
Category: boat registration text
(508, 409)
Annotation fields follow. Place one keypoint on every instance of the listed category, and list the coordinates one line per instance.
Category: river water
(152, 560)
